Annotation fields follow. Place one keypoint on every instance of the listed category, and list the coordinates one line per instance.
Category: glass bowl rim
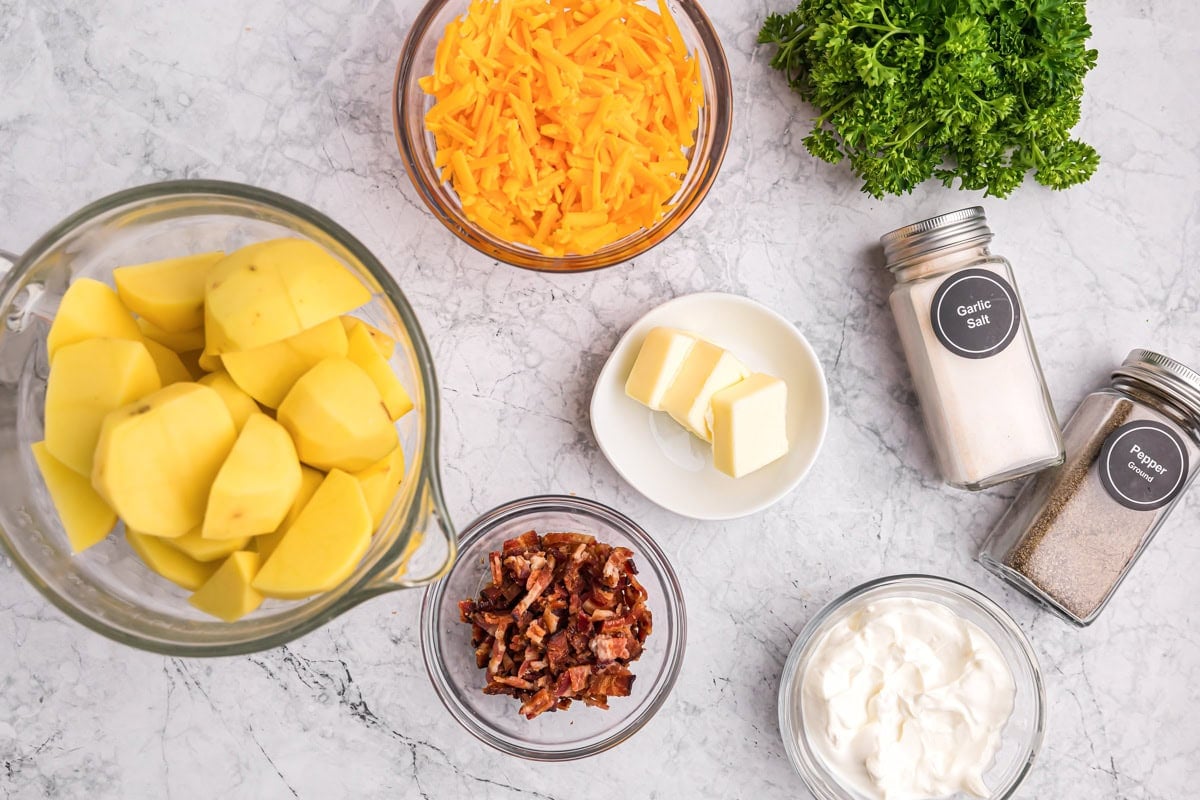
(344, 597)
(721, 101)
(649, 551)
(802, 649)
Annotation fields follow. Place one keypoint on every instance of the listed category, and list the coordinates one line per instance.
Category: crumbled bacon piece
(497, 569)
(615, 566)
(544, 700)
(610, 648)
(526, 541)
(552, 539)
(561, 620)
(615, 681)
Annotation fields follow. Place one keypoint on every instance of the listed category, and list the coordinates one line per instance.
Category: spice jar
(1073, 533)
(968, 347)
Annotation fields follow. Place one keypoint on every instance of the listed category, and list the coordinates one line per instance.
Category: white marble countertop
(293, 95)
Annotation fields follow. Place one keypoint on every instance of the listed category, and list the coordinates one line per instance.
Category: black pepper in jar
(1073, 532)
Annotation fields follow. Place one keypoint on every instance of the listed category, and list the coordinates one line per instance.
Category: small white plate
(673, 468)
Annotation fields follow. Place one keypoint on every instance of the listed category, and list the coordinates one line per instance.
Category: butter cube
(228, 593)
(658, 364)
(707, 370)
(749, 425)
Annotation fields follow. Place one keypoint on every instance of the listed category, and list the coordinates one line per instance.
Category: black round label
(1143, 465)
(975, 313)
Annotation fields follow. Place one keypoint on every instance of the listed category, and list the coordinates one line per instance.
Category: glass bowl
(106, 587)
(417, 146)
(1022, 735)
(579, 731)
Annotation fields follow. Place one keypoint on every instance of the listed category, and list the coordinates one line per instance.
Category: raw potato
(87, 380)
(184, 342)
(379, 483)
(272, 290)
(85, 516)
(208, 362)
(153, 419)
(256, 485)
(385, 344)
(157, 458)
(195, 546)
(90, 310)
(363, 352)
(337, 418)
(171, 368)
(310, 479)
(324, 544)
(240, 404)
(169, 562)
(168, 293)
(268, 373)
(228, 594)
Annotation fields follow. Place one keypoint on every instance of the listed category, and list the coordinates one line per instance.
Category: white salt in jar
(972, 359)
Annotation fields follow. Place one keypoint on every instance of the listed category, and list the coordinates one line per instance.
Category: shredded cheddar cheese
(563, 125)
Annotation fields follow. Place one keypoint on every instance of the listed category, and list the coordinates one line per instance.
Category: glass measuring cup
(107, 588)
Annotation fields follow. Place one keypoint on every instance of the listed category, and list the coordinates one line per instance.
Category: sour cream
(905, 700)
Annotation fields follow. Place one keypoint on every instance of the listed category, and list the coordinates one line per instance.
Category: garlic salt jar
(972, 359)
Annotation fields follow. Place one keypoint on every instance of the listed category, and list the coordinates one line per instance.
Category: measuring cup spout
(432, 515)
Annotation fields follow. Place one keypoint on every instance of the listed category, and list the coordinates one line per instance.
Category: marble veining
(293, 95)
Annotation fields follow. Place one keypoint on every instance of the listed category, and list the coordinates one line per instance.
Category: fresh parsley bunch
(978, 90)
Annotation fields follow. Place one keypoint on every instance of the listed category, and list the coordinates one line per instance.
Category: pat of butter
(707, 370)
(749, 425)
(658, 364)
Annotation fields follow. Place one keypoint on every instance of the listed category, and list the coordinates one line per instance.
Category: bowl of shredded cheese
(562, 136)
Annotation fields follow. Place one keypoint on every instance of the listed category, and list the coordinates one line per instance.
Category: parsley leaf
(973, 92)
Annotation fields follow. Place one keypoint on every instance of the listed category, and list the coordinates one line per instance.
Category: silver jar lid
(912, 242)
(1167, 376)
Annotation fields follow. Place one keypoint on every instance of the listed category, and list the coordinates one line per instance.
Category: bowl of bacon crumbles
(558, 633)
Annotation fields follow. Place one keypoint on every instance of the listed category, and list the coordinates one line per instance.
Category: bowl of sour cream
(912, 687)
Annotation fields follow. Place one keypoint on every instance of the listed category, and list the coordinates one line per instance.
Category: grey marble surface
(294, 96)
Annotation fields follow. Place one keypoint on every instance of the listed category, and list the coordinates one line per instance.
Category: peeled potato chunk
(182, 342)
(85, 516)
(256, 485)
(323, 546)
(156, 459)
(90, 310)
(385, 344)
(169, 562)
(337, 417)
(310, 479)
(87, 380)
(208, 362)
(267, 373)
(228, 594)
(171, 368)
(193, 545)
(362, 351)
(168, 293)
(379, 483)
(240, 404)
(272, 290)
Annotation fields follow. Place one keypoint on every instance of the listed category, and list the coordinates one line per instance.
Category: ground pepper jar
(968, 347)
(1073, 533)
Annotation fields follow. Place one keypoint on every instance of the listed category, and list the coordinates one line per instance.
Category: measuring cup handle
(435, 515)
(7, 260)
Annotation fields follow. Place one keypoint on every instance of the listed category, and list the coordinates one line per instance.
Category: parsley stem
(909, 135)
(819, 121)
(890, 29)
